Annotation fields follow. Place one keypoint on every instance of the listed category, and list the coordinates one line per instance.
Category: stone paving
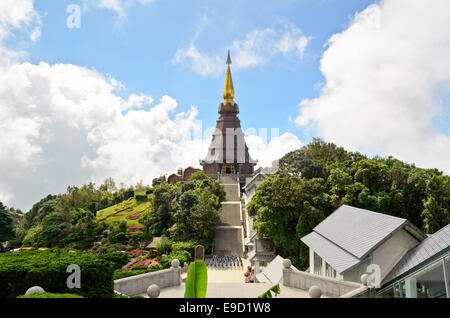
(235, 290)
(229, 283)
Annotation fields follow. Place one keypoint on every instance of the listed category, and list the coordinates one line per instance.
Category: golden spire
(228, 89)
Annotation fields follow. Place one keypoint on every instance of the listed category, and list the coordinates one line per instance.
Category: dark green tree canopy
(6, 224)
(315, 180)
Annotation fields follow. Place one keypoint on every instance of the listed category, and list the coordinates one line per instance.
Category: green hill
(130, 210)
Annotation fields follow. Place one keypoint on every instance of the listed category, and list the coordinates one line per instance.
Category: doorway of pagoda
(227, 169)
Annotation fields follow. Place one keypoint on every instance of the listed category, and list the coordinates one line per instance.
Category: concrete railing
(138, 284)
(329, 286)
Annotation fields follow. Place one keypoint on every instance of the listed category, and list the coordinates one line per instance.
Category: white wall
(386, 256)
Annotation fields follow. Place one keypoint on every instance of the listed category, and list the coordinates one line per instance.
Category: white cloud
(64, 124)
(119, 6)
(17, 16)
(385, 78)
(256, 48)
(267, 152)
(200, 63)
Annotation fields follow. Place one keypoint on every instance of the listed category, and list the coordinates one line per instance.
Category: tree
(6, 224)
(315, 180)
(277, 205)
(185, 211)
(108, 185)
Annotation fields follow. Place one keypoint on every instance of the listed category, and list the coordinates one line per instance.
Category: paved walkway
(235, 290)
(230, 284)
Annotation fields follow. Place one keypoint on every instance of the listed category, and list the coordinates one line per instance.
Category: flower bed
(128, 266)
(134, 216)
(136, 251)
(135, 227)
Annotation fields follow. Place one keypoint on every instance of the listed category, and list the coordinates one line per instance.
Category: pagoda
(228, 152)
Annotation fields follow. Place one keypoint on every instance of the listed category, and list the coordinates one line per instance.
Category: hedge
(24, 269)
(141, 197)
(118, 259)
(181, 255)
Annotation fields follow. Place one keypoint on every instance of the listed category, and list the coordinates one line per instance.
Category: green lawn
(130, 203)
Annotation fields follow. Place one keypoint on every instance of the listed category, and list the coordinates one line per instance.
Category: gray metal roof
(429, 247)
(358, 231)
(338, 258)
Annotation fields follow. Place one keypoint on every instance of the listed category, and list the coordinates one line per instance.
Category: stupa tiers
(228, 152)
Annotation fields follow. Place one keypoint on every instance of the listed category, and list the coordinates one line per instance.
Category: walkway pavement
(235, 290)
(229, 283)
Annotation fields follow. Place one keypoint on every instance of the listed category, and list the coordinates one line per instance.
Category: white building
(349, 240)
(260, 251)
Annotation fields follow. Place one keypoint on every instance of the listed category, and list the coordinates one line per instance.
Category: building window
(317, 264)
(329, 271)
(431, 283)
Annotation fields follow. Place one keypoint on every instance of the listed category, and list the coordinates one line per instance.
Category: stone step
(230, 213)
(232, 192)
(228, 180)
(228, 240)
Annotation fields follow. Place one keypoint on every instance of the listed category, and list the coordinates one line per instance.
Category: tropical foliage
(313, 181)
(48, 269)
(196, 280)
(186, 211)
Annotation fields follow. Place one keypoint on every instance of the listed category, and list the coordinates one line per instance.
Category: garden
(130, 211)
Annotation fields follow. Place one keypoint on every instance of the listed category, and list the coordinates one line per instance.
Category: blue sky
(121, 95)
(139, 49)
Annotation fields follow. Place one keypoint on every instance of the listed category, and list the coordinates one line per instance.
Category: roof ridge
(373, 212)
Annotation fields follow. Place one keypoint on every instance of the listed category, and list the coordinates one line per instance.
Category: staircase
(228, 238)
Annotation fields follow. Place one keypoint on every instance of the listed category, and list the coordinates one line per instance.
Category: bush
(118, 273)
(118, 259)
(141, 197)
(149, 191)
(190, 246)
(153, 267)
(128, 194)
(21, 270)
(50, 295)
(182, 256)
(164, 246)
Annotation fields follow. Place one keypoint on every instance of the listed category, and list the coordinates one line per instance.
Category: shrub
(119, 273)
(141, 197)
(128, 194)
(21, 270)
(182, 256)
(118, 259)
(164, 246)
(190, 245)
(50, 295)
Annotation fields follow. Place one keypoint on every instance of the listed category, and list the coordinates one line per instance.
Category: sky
(130, 89)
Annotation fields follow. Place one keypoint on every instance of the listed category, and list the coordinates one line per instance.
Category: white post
(411, 287)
